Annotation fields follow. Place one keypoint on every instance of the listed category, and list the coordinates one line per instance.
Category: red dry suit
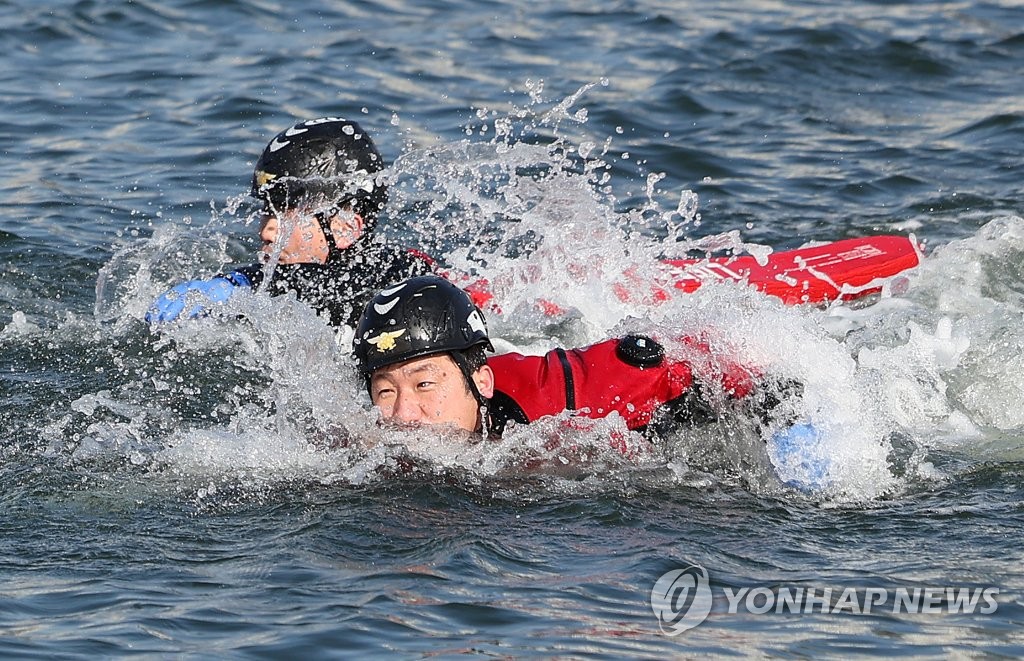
(630, 376)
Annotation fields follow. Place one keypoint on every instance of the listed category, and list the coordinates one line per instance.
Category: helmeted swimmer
(320, 186)
(422, 347)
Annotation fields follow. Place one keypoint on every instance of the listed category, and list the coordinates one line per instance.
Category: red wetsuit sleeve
(593, 380)
(732, 379)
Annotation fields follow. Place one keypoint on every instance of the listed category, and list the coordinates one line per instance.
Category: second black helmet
(328, 161)
(419, 317)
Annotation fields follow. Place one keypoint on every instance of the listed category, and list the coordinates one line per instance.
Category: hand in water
(194, 298)
(798, 456)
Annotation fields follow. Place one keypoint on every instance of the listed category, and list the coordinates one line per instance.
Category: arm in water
(195, 298)
(653, 393)
(630, 376)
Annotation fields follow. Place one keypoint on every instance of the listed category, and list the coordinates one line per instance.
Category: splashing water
(264, 393)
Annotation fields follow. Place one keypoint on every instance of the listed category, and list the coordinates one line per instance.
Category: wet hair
(474, 358)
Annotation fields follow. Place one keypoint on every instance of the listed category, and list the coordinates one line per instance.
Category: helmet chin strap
(323, 218)
(460, 360)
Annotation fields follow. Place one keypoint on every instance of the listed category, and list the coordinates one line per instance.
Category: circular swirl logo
(681, 599)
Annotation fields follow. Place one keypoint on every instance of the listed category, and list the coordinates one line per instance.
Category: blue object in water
(798, 457)
(170, 306)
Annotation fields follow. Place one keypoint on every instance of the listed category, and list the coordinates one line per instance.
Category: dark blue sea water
(171, 494)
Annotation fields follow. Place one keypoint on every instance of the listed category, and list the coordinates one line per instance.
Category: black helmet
(421, 316)
(326, 161)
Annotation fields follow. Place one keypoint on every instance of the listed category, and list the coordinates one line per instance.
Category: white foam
(934, 366)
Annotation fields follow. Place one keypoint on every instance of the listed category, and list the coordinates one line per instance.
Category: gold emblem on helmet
(386, 340)
(263, 178)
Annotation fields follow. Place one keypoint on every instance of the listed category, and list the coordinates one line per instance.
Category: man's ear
(347, 227)
(484, 380)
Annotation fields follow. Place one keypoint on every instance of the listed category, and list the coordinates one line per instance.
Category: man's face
(296, 235)
(430, 391)
(299, 237)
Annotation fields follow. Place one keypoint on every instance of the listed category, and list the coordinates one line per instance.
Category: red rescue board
(847, 269)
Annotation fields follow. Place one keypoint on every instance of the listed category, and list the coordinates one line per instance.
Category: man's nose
(268, 231)
(407, 409)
